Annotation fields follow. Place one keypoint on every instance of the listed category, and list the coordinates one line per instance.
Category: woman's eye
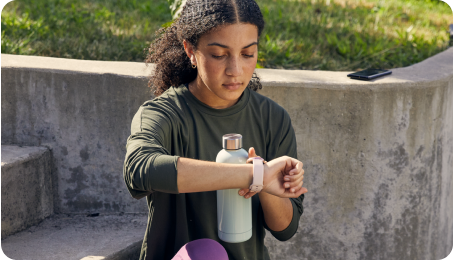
(220, 57)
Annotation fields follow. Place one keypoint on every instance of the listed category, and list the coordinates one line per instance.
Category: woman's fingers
(291, 185)
(297, 168)
(294, 181)
(246, 193)
(296, 194)
(300, 192)
(249, 194)
(294, 188)
(242, 192)
(294, 178)
(296, 191)
(252, 152)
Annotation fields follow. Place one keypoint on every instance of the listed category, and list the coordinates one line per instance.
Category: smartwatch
(258, 172)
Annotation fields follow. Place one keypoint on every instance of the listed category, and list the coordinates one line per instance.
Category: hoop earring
(194, 66)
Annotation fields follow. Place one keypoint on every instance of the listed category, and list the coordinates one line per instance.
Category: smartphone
(369, 74)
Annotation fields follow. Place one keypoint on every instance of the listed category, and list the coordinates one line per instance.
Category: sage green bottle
(234, 212)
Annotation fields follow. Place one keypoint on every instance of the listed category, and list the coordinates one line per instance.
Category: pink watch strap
(258, 172)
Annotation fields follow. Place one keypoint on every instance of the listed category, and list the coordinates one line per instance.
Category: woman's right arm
(149, 165)
(196, 176)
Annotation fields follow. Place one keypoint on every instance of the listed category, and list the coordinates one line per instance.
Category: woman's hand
(283, 177)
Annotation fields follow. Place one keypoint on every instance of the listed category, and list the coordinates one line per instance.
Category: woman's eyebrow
(226, 47)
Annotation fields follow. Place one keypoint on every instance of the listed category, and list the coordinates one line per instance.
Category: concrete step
(27, 195)
(79, 237)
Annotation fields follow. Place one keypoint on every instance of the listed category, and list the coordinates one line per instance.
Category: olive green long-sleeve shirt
(178, 124)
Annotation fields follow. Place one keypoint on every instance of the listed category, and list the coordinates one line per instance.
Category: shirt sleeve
(288, 146)
(148, 165)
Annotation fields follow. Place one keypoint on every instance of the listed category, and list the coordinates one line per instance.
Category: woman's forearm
(278, 212)
(197, 175)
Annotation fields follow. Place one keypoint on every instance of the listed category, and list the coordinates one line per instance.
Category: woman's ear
(188, 48)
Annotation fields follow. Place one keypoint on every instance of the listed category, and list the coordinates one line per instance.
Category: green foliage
(299, 34)
(118, 30)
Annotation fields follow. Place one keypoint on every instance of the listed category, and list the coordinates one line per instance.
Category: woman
(205, 86)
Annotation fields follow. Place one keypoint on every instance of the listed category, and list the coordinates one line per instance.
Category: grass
(115, 30)
(333, 35)
(350, 35)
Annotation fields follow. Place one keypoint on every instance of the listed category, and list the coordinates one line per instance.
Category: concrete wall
(379, 162)
(83, 113)
(27, 195)
(378, 155)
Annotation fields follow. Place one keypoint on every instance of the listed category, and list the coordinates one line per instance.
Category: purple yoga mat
(202, 249)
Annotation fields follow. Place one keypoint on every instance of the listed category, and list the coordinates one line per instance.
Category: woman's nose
(234, 67)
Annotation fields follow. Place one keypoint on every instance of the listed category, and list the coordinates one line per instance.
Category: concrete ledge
(435, 68)
(123, 68)
(76, 237)
(27, 196)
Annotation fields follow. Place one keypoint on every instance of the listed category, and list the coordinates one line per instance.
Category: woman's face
(226, 59)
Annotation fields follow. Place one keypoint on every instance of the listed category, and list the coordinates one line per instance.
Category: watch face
(256, 188)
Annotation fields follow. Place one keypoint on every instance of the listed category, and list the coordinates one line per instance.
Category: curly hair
(173, 66)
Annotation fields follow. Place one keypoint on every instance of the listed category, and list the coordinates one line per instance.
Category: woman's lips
(232, 86)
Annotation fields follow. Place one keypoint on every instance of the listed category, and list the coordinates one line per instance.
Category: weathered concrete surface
(84, 115)
(76, 237)
(27, 196)
(378, 160)
(377, 155)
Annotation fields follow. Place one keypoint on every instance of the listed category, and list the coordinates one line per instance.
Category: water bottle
(234, 212)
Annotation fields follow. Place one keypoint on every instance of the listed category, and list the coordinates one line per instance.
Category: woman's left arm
(278, 212)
